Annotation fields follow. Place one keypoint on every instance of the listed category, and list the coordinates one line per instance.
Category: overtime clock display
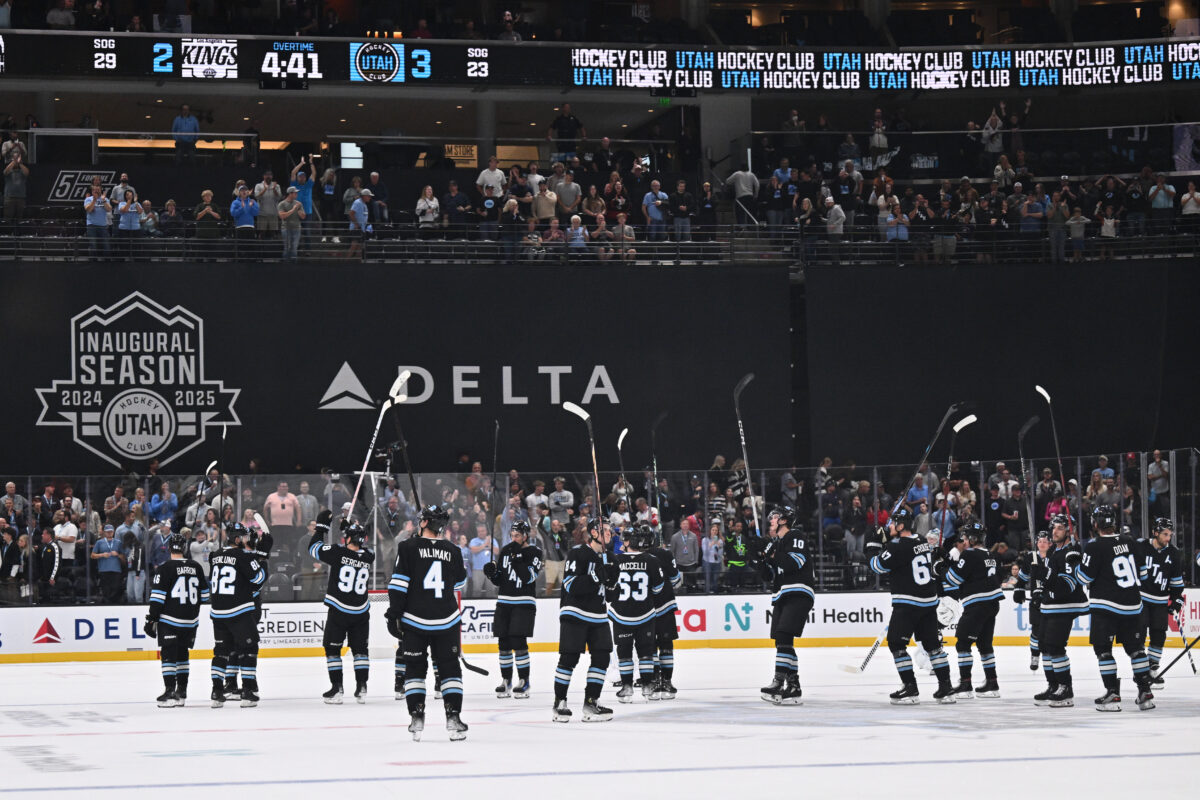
(291, 59)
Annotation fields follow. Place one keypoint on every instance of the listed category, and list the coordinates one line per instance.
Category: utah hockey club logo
(345, 393)
(137, 389)
(46, 634)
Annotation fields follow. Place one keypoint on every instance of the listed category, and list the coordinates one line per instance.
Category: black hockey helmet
(642, 538)
(521, 527)
(1104, 518)
(355, 534)
(1163, 524)
(787, 515)
(435, 517)
(235, 532)
(1043, 535)
(1060, 519)
(176, 543)
(974, 532)
(903, 517)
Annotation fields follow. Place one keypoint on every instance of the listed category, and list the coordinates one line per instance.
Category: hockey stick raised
(622, 483)
(587, 419)
(737, 410)
(495, 469)
(1062, 478)
(396, 394)
(928, 449)
(958, 426)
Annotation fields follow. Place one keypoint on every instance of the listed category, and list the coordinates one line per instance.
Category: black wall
(279, 333)
(1115, 345)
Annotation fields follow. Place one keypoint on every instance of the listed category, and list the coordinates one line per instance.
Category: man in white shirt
(492, 176)
(66, 535)
(536, 497)
(562, 502)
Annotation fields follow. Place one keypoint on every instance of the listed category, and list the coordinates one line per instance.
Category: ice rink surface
(92, 730)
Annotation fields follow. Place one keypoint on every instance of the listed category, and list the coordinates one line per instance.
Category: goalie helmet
(1103, 518)
(435, 518)
(176, 543)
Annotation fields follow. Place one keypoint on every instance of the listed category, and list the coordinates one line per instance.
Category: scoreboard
(414, 62)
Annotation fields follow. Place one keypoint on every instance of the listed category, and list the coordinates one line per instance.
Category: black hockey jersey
(972, 577)
(1160, 572)
(1032, 582)
(234, 582)
(635, 598)
(424, 585)
(349, 574)
(791, 568)
(672, 578)
(517, 570)
(582, 598)
(1110, 570)
(908, 563)
(176, 592)
(1063, 593)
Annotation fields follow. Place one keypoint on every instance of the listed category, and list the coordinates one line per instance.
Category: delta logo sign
(108, 629)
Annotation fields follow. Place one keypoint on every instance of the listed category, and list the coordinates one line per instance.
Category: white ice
(92, 729)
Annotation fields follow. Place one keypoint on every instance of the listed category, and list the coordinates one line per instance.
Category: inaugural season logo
(137, 388)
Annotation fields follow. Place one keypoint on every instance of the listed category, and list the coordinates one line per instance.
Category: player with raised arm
(908, 563)
(423, 611)
(258, 543)
(1062, 601)
(633, 609)
(515, 575)
(1030, 588)
(665, 629)
(176, 592)
(785, 563)
(236, 576)
(1161, 574)
(1109, 568)
(583, 625)
(349, 615)
(970, 574)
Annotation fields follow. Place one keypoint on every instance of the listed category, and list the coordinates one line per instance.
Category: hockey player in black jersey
(259, 544)
(785, 563)
(1029, 588)
(1161, 575)
(349, 615)
(633, 608)
(1110, 569)
(583, 625)
(423, 611)
(236, 576)
(908, 563)
(1062, 600)
(515, 574)
(665, 629)
(176, 592)
(970, 576)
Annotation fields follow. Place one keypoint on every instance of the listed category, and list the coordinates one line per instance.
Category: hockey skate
(1034, 662)
(417, 724)
(1062, 697)
(504, 689)
(594, 712)
(1044, 697)
(1111, 701)
(906, 695)
(561, 712)
(650, 689)
(945, 694)
(168, 699)
(1145, 696)
(666, 690)
(521, 690)
(625, 693)
(333, 697)
(360, 693)
(1155, 681)
(249, 697)
(232, 692)
(774, 692)
(964, 691)
(218, 696)
(791, 692)
(399, 688)
(990, 688)
(456, 727)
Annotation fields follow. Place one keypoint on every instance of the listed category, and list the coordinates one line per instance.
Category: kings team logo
(137, 389)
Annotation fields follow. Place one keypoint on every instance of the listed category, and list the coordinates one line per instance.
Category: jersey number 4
(186, 590)
(223, 578)
(353, 580)
(434, 581)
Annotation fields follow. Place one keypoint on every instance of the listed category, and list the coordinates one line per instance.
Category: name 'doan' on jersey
(1110, 571)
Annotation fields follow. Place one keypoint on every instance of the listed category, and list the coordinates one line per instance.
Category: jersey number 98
(352, 580)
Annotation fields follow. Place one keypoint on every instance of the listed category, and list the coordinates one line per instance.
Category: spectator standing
(1077, 226)
(1057, 217)
(109, 555)
(512, 228)
(66, 536)
(291, 214)
(685, 547)
(744, 186)
(379, 191)
(16, 181)
(428, 210)
(1162, 205)
(97, 208)
(493, 176)
(48, 561)
(129, 225)
(163, 505)
(624, 236)
(351, 194)
(682, 206)
(282, 513)
(1158, 473)
(268, 193)
(1189, 206)
(569, 197)
(456, 206)
(201, 548)
(593, 207)
(59, 17)
(489, 215)
(482, 551)
(360, 221)
(304, 189)
(208, 222)
(244, 211)
(327, 200)
(566, 130)
(185, 129)
(545, 204)
(654, 204)
(13, 147)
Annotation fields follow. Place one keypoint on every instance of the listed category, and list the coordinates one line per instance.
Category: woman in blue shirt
(577, 239)
(130, 223)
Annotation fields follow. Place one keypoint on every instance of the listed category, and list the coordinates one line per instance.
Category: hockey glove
(948, 545)
(489, 571)
(151, 628)
(1175, 606)
(265, 543)
(872, 549)
(393, 625)
(612, 575)
(1073, 558)
(1019, 596)
(345, 524)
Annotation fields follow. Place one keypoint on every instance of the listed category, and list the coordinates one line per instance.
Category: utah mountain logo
(46, 634)
(346, 393)
(137, 389)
